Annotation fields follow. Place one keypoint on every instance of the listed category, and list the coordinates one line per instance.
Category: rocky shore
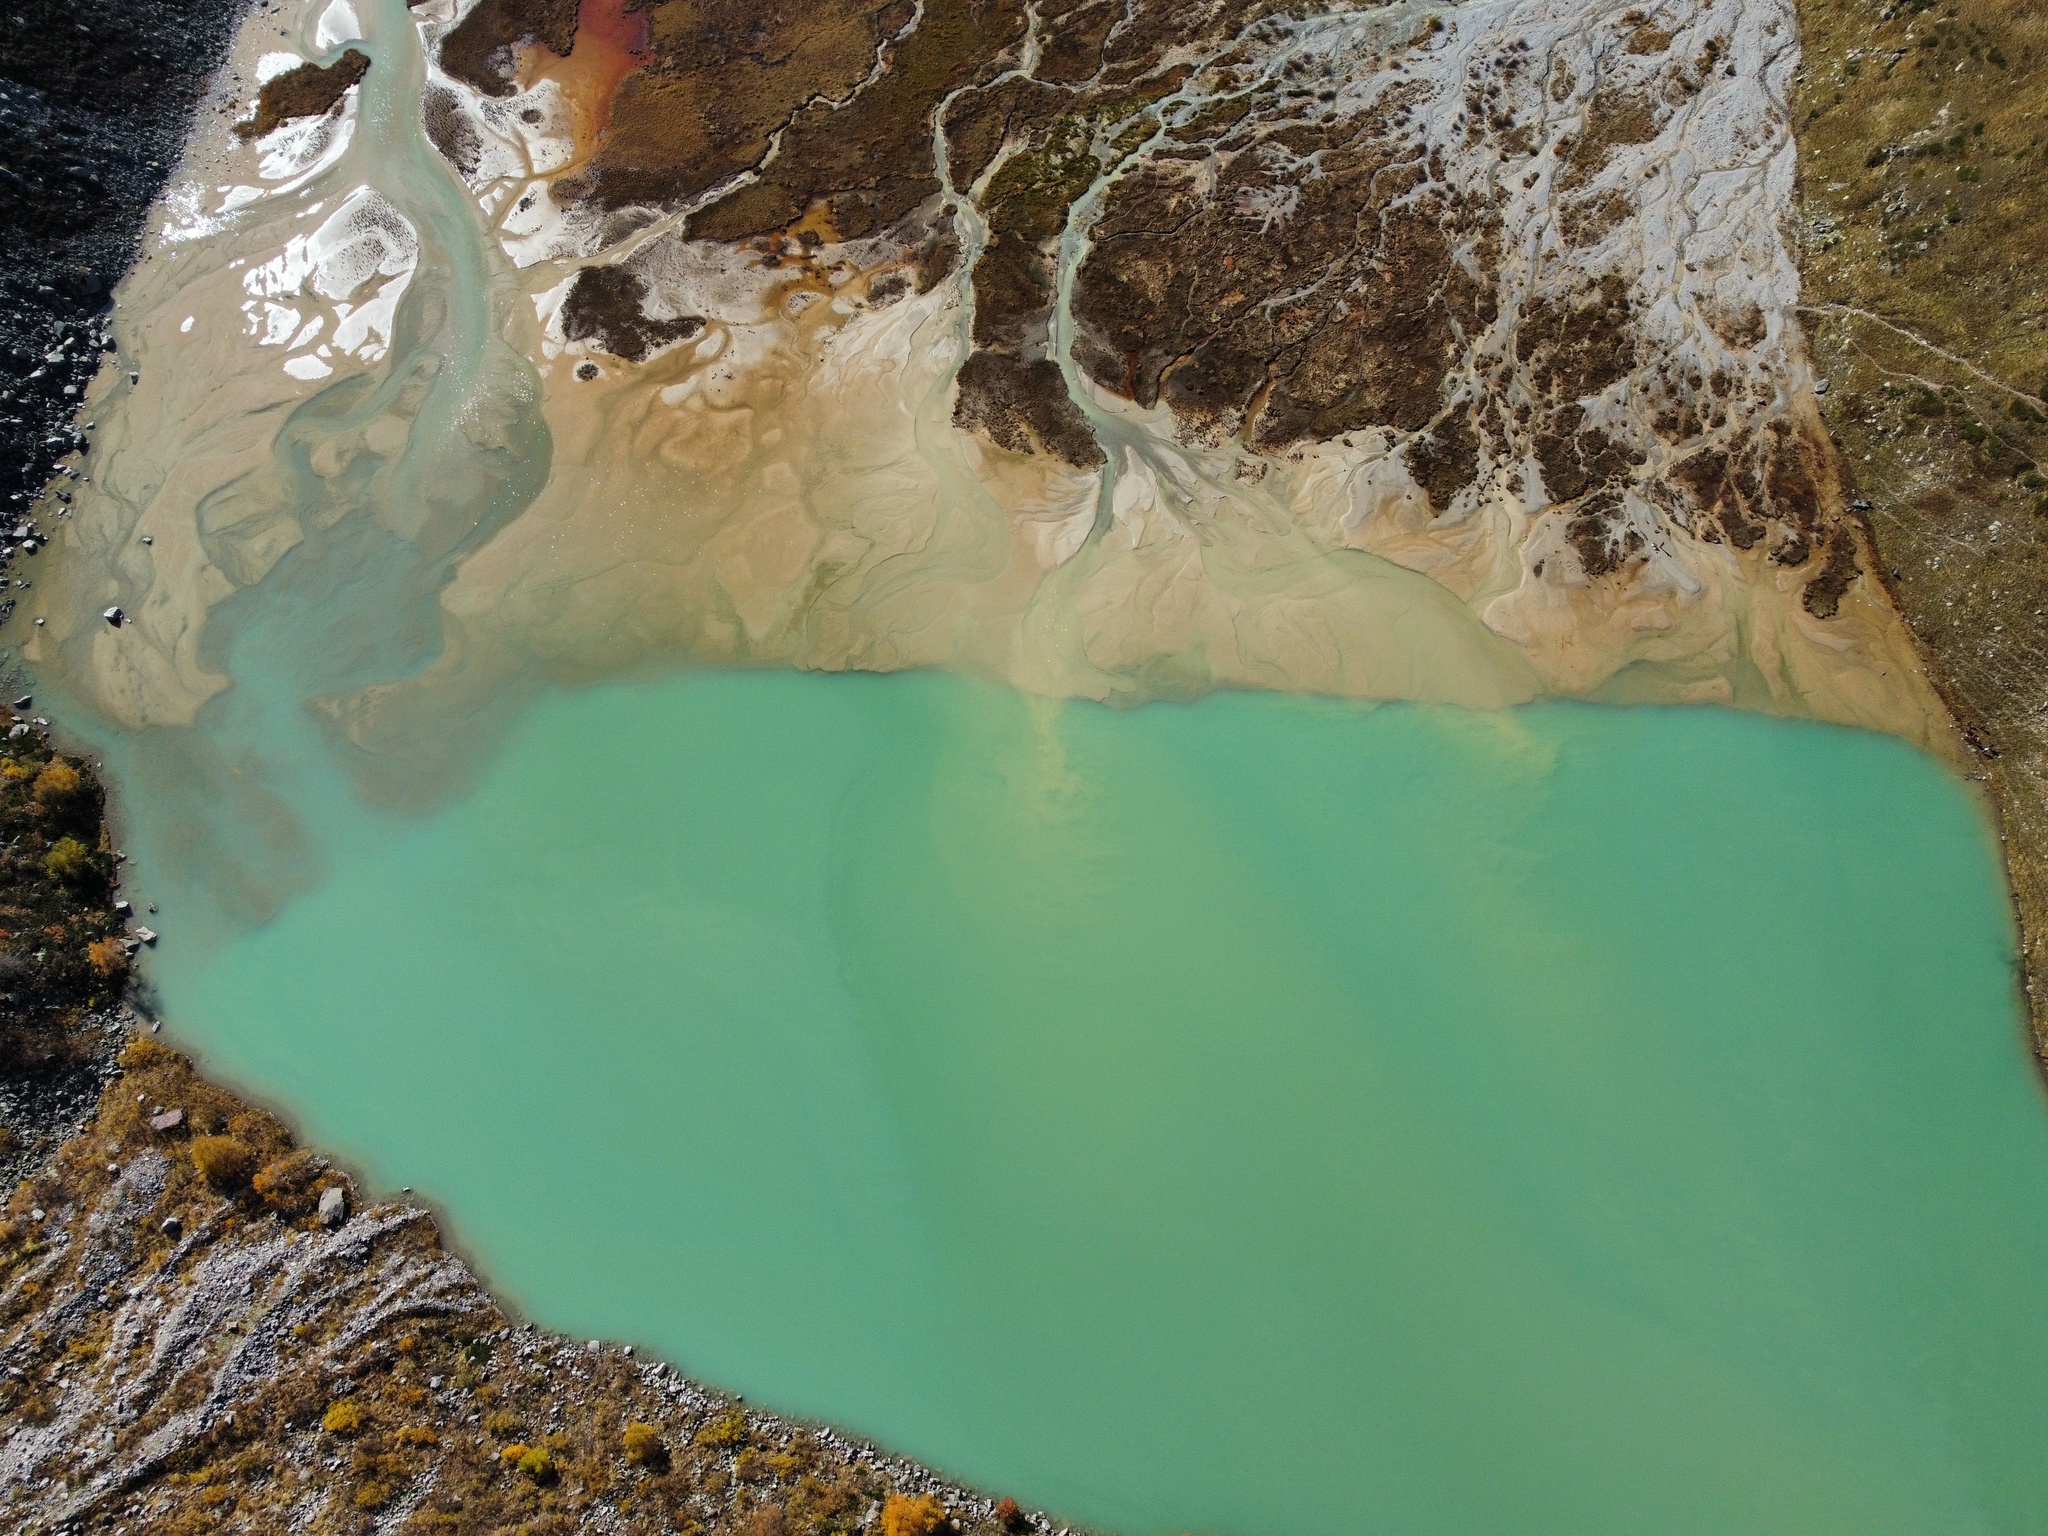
(95, 102)
(202, 1331)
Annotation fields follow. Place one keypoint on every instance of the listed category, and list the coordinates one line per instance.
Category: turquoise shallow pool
(1263, 1115)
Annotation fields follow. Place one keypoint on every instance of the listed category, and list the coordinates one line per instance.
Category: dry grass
(1924, 171)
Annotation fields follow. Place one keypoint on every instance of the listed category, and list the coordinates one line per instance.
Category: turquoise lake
(1265, 1115)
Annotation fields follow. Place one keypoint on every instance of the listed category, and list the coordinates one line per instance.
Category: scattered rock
(333, 1206)
(169, 1120)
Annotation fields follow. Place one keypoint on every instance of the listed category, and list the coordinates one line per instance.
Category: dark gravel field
(94, 102)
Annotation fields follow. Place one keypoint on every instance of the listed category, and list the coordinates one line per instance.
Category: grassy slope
(1924, 170)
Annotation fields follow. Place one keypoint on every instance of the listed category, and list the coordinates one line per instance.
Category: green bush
(70, 861)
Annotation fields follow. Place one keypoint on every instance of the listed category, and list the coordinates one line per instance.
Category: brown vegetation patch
(479, 51)
(726, 76)
(1601, 536)
(311, 90)
(1581, 346)
(1575, 459)
(1614, 120)
(1024, 407)
(1823, 595)
(1445, 460)
(450, 131)
(1174, 295)
(605, 306)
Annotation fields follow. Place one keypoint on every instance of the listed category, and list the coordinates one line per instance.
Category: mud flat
(641, 420)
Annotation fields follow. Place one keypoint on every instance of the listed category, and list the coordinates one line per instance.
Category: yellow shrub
(286, 1185)
(142, 1053)
(643, 1442)
(14, 772)
(107, 956)
(222, 1161)
(417, 1434)
(344, 1417)
(58, 784)
(537, 1463)
(729, 1428)
(912, 1515)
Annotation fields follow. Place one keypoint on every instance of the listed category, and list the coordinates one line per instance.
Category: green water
(1263, 1116)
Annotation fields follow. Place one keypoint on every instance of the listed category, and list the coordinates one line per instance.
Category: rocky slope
(201, 1332)
(94, 107)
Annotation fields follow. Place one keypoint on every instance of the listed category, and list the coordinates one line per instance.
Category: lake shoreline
(64, 1039)
(178, 1237)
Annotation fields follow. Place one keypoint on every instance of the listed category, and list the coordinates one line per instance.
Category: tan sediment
(787, 486)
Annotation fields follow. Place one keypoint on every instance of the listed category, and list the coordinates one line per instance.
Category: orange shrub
(222, 1161)
(286, 1185)
(912, 1515)
(58, 784)
(107, 956)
